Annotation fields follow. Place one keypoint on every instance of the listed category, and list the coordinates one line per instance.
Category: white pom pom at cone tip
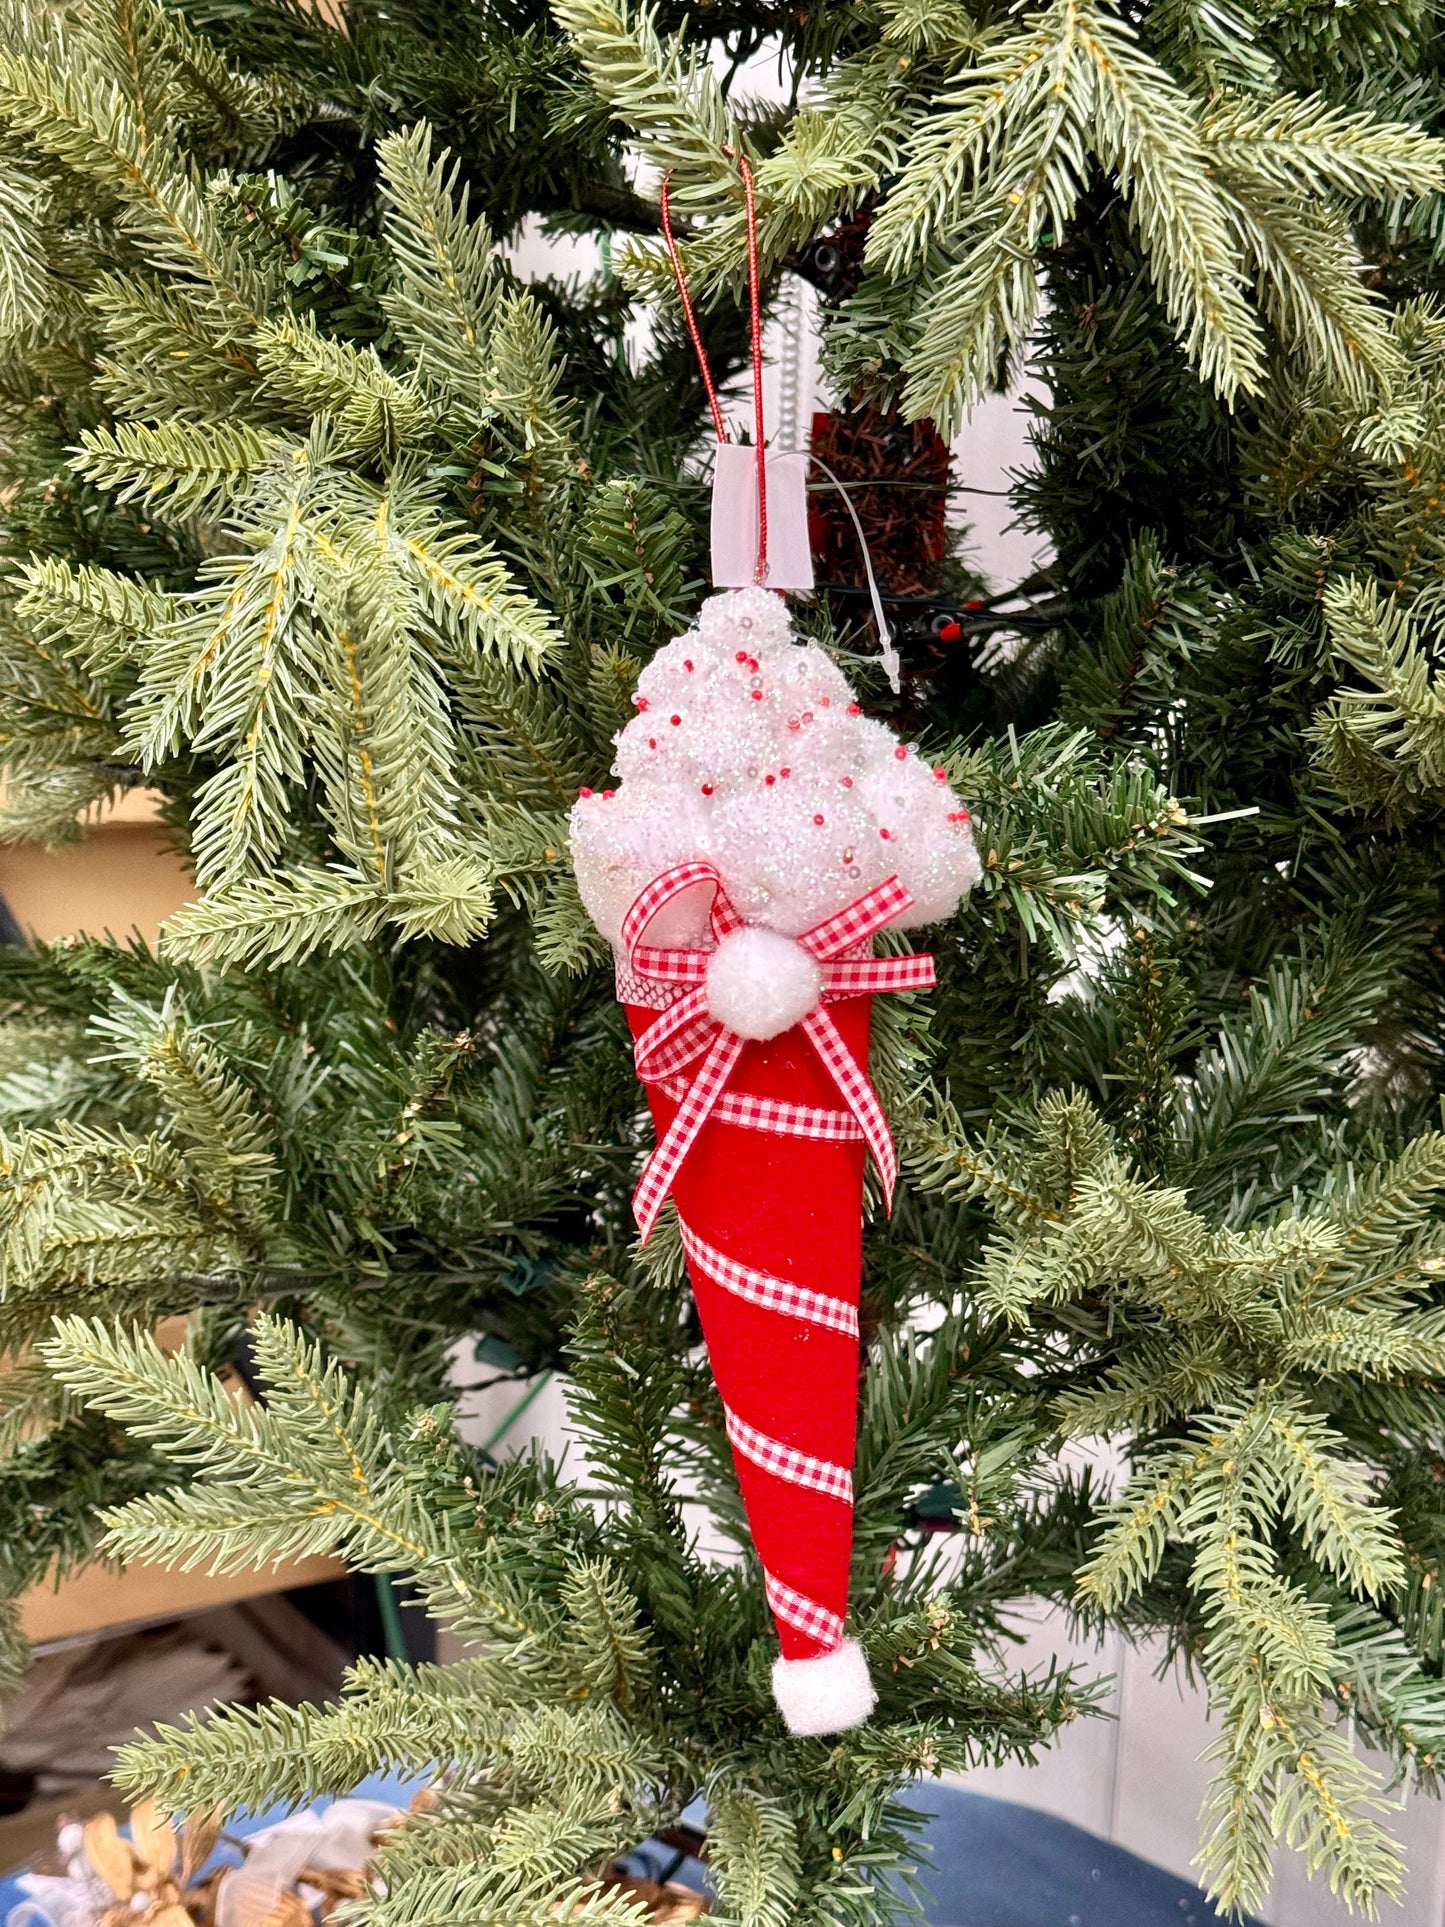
(825, 1694)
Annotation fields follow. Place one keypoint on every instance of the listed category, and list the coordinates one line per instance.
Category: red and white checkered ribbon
(772, 1294)
(786, 1461)
(686, 1031)
(775, 1114)
(816, 1621)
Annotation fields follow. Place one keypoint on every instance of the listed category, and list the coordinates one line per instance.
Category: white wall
(991, 447)
(1138, 1777)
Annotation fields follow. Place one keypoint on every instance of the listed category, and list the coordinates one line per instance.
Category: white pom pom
(760, 983)
(824, 1695)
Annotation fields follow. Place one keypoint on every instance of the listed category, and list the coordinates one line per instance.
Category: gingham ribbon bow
(686, 1031)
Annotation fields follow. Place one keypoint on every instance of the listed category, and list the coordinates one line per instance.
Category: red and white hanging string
(755, 327)
(891, 662)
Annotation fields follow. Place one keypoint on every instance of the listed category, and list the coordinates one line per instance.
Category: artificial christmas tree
(321, 523)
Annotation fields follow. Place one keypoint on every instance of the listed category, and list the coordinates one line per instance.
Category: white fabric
(824, 1695)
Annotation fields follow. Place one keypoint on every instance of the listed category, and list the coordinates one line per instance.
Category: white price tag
(735, 520)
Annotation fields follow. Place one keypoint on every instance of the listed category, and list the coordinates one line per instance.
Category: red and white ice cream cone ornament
(762, 833)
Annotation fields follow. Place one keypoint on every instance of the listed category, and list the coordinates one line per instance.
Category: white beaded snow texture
(749, 751)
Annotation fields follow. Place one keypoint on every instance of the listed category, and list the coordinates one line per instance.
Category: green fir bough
(319, 520)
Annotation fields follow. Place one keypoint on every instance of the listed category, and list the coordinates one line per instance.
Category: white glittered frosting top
(749, 752)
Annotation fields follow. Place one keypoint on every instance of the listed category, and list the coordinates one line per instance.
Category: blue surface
(986, 1863)
(994, 1864)
(989, 1863)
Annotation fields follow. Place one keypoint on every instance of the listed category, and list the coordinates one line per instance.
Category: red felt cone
(773, 1230)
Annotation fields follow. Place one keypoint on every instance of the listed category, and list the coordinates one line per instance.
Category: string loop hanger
(760, 571)
(755, 328)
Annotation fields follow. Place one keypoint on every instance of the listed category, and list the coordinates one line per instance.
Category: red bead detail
(652, 742)
(847, 782)
(641, 702)
(976, 603)
(584, 794)
(753, 664)
(607, 795)
(707, 789)
(855, 709)
(741, 656)
(757, 695)
(900, 755)
(827, 702)
(770, 780)
(958, 816)
(940, 774)
(819, 821)
(950, 632)
(885, 834)
(674, 720)
(688, 667)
